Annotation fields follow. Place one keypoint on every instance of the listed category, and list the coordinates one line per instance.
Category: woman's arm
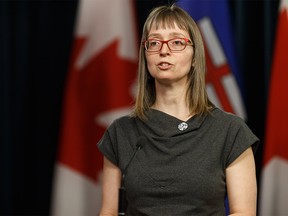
(111, 184)
(241, 185)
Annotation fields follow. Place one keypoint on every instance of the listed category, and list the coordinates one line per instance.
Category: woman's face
(167, 66)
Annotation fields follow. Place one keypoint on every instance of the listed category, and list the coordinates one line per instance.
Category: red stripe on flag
(276, 143)
(214, 77)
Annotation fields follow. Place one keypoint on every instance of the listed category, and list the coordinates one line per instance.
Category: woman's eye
(154, 43)
(177, 42)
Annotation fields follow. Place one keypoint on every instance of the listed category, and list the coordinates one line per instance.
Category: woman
(192, 154)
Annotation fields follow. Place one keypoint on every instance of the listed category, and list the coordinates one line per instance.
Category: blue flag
(223, 80)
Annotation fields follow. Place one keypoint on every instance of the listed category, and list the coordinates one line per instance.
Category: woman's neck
(173, 102)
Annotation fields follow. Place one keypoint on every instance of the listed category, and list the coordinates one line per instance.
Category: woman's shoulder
(123, 121)
(226, 117)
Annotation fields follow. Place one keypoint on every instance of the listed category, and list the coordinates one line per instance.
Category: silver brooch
(182, 126)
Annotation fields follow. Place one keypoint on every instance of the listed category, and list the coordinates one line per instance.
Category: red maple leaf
(103, 84)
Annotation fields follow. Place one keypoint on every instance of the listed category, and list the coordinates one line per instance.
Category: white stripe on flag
(213, 44)
(213, 96)
(233, 93)
(105, 119)
(75, 195)
(102, 23)
(274, 190)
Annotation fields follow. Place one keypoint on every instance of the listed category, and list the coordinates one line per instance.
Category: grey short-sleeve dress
(181, 168)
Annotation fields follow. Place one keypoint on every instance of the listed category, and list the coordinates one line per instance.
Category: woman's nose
(165, 48)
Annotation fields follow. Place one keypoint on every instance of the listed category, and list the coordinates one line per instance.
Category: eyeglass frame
(188, 42)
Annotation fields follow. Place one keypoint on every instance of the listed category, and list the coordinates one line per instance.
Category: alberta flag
(274, 189)
(99, 88)
(222, 78)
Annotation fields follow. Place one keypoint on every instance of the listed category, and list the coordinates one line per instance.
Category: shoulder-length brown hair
(196, 95)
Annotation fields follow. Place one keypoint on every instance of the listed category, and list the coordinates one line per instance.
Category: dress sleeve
(107, 145)
(239, 139)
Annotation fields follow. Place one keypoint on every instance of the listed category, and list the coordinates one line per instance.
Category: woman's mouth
(164, 65)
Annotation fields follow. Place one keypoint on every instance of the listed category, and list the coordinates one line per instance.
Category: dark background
(35, 46)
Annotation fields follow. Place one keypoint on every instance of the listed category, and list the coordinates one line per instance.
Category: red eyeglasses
(174, 44)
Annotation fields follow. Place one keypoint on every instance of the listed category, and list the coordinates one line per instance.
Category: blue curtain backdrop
(35, 47)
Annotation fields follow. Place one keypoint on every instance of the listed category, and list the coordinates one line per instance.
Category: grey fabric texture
(177, 172)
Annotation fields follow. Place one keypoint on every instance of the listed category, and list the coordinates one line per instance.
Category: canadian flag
(274, 190)
(100, 88)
